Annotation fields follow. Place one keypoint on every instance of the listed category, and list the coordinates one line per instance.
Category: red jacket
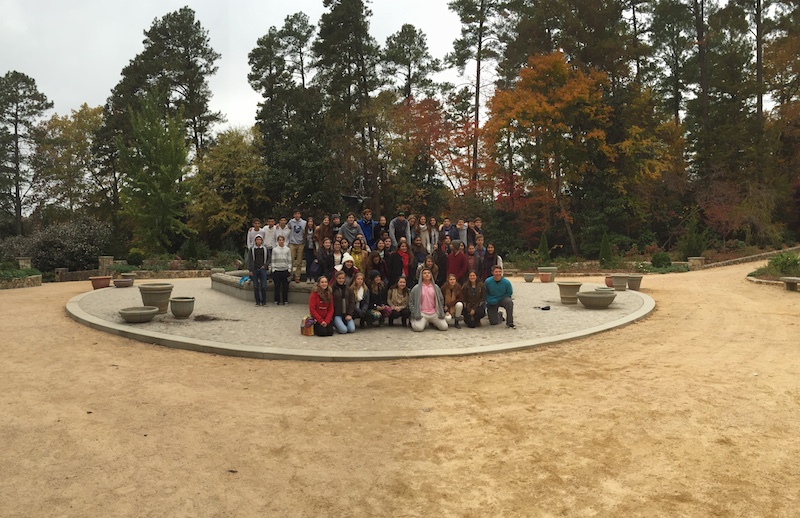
(320, 311)
(457, 265)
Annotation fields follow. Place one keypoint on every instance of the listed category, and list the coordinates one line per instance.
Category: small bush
(123, 268)
(136, 256)
(543, 254)
(75, 245)
(661, 260)
(672, 268)
(695, 241)
(606, 254)
(786, 263)
(6, 275)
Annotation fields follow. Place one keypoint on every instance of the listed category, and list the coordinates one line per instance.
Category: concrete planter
(528, 276)
(123, 283)
(620, 281)
(596, 299)
(139, 314)
(569, 291)
(156, 294)
(635, 281)
(181, 307)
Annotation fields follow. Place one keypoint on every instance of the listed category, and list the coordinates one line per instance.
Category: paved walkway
(224, 325)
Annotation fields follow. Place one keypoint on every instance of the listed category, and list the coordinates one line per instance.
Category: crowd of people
(376, 272)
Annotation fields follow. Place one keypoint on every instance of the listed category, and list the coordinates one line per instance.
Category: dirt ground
(691, 412)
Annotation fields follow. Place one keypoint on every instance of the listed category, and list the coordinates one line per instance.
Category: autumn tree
(557, 119)
(21, 107)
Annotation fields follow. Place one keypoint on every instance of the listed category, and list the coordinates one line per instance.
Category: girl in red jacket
(320, 305)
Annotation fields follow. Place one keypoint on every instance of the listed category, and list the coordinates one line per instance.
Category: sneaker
(511, 326)
(276, 302)
(286, 303)
(258, 304)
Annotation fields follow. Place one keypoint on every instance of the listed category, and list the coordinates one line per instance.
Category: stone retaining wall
(228, 283)
(23, 282)
(752, 258)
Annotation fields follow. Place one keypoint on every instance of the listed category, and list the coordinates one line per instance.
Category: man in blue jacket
(368, 225)
(498, 294)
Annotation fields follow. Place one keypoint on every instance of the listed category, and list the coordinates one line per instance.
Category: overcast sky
(75, 50)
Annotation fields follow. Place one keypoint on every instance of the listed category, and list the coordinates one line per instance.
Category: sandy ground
(692, 412)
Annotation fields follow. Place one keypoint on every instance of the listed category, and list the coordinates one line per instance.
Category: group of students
(410, 269)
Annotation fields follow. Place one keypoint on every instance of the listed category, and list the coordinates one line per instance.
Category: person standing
(270, 236)
(255, 230)
(369, 228)
(351, 229)
(282, 229)
(398, 228)
(336, 223)
(279, 267)
(498, 295)
(257, 264)
(310, 252)
(426, 304)
(297, 242)
(457, 262)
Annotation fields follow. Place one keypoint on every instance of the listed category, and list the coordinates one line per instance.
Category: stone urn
(129, 275)
(620, 281)
(635, 281)
(139, 314)
(605, 289)
(548, 269)
(596, 299)
(181, 307)
(569, 291)
(528, 276)
(123, 283)
(156, 294)
(100, 281)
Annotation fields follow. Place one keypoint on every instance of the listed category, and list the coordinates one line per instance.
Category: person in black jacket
(402, 263)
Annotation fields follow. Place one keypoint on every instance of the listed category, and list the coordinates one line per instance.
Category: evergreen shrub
(661, 260)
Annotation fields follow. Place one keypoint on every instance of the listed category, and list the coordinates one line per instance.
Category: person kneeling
(320, 305)
(398, 302)
(426, 304)
(498, 294)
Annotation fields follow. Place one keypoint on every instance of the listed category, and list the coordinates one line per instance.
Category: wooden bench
(790, 282)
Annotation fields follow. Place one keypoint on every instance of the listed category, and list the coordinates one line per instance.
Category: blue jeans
(343, 326)
(260, 285)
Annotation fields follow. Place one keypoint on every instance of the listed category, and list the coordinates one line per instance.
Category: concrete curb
(75, 312)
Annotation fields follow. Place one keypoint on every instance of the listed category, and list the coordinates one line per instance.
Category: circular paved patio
(230, 326)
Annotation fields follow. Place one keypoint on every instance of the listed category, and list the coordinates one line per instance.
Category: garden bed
(29, 281)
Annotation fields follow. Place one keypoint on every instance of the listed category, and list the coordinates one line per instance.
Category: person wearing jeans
(498, 294)
(257, 264)
(343, 305)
